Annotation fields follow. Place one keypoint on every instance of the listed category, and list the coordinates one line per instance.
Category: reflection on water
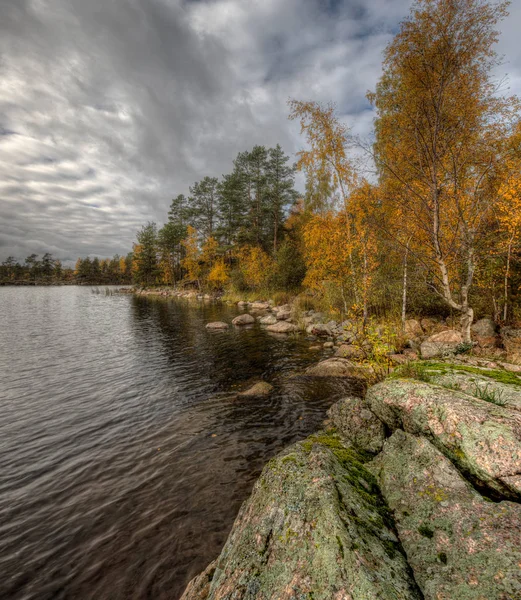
(124, 452)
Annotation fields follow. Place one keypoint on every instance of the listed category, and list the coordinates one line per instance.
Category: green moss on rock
(316, 527)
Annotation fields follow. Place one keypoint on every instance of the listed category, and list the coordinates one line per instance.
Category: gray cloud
(109, 109)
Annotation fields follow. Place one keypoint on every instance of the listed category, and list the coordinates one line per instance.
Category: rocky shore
(412, 492)
(426, 338)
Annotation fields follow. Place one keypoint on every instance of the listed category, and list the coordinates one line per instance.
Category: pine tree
(280, 190)
(145, 255)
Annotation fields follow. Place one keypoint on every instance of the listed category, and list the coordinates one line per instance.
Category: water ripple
(125, 452)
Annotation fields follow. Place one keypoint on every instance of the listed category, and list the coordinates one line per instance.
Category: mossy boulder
(315, 527)
(459, 545)
(482, 439)
(357, 425)
(480, 386)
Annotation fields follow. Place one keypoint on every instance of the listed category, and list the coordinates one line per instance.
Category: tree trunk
(404, 292)
(467, 316)
(507, 275)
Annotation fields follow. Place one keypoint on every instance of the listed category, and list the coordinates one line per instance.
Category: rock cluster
(413, 492)
(428, 337)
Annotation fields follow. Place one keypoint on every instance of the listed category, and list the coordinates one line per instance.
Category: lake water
(124, 452)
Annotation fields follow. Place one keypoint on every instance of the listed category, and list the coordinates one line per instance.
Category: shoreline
(383, 503)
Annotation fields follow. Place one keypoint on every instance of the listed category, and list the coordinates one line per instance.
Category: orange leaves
(509, 205)
(326, 250)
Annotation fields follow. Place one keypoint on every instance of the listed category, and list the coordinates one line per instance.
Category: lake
(124, 452)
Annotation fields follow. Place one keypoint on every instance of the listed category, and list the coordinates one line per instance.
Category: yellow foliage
(193, 255)
(256, 266)
(219, 274)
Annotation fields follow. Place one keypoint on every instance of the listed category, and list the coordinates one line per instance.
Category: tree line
(49, 270)
(437, 229)
(229, 229)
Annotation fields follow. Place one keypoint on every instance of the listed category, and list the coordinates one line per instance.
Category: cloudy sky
(109, 108)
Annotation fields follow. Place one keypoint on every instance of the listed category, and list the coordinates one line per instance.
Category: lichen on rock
(357, 425)
(315, 527)
(459, 545)
(482, 439)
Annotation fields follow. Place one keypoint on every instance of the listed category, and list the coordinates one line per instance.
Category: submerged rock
(261, 389)
(482, 439)
(357, 425)
(441, 343)
(245, 319)
(217, 325)
(314, 527)
(282, 327)
(459, 545)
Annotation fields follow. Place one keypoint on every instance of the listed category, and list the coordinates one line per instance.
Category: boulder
(480, 386)
(482, 439)
(217, 325)
(428, 324)
(260, 305)
(259, 390)
(334, 367)
(268, 320)
(242, 303)
(245, 319)
(400, 359)
(349, 351)
(441, 344)
(484, 328)
(282, 315)
(413, 328)
(512, 342)
(459, 545)
(282, 308)
(319, 330)
(314, 527)
(357, 425)
(329, 345)
(282, 327)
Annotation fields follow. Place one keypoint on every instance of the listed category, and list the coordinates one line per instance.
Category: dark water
(124, 454)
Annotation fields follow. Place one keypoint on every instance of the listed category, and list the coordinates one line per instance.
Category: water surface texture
(124, 452)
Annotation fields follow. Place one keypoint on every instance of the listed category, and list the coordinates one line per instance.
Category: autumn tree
(509, 217)
(256, 266)
(192, 257)
(326, 162)
(438, 131)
